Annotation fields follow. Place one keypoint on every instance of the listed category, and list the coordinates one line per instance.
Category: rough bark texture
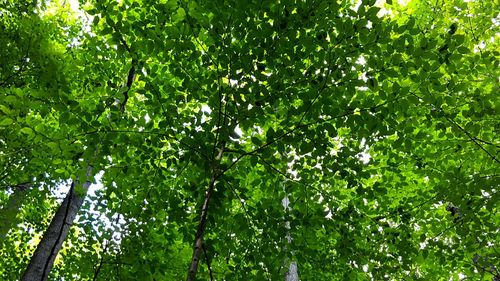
(198, 242)
(9, 212)
(43, 259)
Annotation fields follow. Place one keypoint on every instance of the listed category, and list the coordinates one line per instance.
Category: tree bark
(198, 242)
(9, 212)
(291, 274)
(43, 259)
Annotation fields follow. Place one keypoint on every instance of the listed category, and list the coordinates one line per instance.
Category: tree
(378, 130)
(45, 254)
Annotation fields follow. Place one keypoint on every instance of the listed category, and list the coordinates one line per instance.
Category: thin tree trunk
(43, 259)
(198, 242)
(291, 274)
(9, 212)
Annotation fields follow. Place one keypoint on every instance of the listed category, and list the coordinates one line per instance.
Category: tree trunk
(9, 212)
(43, 259)
(291, 274)
(198, 242)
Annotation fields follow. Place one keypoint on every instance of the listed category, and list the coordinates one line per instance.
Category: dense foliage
(376, 124)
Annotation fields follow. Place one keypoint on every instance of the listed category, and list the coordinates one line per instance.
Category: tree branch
(472, 138)
(208, 263)
(130, 81)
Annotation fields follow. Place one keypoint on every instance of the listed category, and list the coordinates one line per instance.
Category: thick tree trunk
(43, 259)
(9, 212)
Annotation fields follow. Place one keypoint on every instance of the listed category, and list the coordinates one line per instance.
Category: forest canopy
(249, 140)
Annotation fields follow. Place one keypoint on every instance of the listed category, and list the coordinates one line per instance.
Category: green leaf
(307, 147)
(372, 13)
(96, 20)
(110, 22)
(391, 72)
(6, 121)
(179, 15)
(27, 131)
(270, 134)
(463, 50)
(256, 141)
(459, 39)
(422, 237)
